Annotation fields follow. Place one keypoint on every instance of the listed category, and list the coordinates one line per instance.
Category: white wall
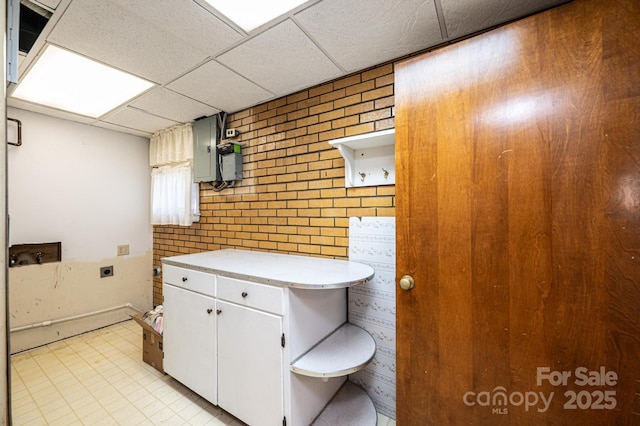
(88, 188)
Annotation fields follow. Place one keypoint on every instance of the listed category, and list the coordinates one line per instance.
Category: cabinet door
(250, 383)
(189, 340)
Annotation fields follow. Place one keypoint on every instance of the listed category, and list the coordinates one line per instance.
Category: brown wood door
(518, 215)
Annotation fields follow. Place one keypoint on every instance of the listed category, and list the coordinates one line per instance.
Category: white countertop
(276, 269)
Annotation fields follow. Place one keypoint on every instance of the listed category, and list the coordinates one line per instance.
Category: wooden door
(518, 215)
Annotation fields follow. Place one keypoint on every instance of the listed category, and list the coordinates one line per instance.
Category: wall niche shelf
(369, 159)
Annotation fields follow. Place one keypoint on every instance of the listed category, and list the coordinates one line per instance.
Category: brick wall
(292, 197)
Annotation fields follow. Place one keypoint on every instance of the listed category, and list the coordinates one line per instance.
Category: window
(175, 198)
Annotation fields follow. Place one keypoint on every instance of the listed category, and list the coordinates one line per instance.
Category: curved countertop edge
(182, 261)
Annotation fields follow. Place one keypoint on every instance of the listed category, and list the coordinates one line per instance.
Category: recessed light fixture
(64, 80)
(250, 14)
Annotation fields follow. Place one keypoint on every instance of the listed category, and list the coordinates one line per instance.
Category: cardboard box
(151, 344)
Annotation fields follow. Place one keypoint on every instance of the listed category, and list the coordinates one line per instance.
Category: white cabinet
(282, 347)
(189, 340)
(250, 350)
(246, 293)
(250, 381)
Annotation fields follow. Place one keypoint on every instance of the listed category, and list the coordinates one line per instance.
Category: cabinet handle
(184, 279)
(245, 294)
(209, 310)
(218, 311)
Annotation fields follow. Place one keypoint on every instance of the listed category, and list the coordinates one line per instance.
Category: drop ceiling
(202, 63)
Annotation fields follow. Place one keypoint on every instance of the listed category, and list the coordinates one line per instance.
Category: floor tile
(99, 378)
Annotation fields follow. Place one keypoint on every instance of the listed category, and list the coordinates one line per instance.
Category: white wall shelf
(345, 351)
(350, 406)
(369, 159)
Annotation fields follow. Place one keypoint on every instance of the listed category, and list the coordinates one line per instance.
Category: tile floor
(99, 378)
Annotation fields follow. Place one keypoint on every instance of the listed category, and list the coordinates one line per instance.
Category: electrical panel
(205, 157)
(231, 161)
(232, 167)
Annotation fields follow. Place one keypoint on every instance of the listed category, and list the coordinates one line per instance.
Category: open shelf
(345, 351)
(350, 406)
(369, 159)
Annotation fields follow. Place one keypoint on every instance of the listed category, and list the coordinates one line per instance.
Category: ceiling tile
(51, 4)
(133, 118)
(215, 85)
(282, 59)
(174, 106)
(362, 33)
(186, 20)
(465, 17)
(145, 41)
(121, 129)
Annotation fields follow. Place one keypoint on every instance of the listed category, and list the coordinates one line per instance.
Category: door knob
(244, 294)
(218, 311)
(407, 282)
(209, 310)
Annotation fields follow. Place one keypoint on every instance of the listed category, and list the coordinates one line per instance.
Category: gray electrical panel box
(205, 157)
(232, 166)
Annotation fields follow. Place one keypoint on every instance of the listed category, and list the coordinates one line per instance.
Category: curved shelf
(345, 351)
(350, 406)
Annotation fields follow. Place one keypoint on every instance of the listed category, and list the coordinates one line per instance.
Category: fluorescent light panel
(70, 82)
(250, 14)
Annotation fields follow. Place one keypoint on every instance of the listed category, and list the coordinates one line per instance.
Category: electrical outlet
(231, 133)
(123, 250)
(106, 271)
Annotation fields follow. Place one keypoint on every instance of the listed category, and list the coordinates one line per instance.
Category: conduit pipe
(75, 317)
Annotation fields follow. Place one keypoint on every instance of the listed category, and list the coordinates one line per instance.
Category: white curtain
(172, 145)
(175, 198)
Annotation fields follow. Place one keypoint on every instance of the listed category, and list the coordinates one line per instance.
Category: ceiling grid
(201, 63)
